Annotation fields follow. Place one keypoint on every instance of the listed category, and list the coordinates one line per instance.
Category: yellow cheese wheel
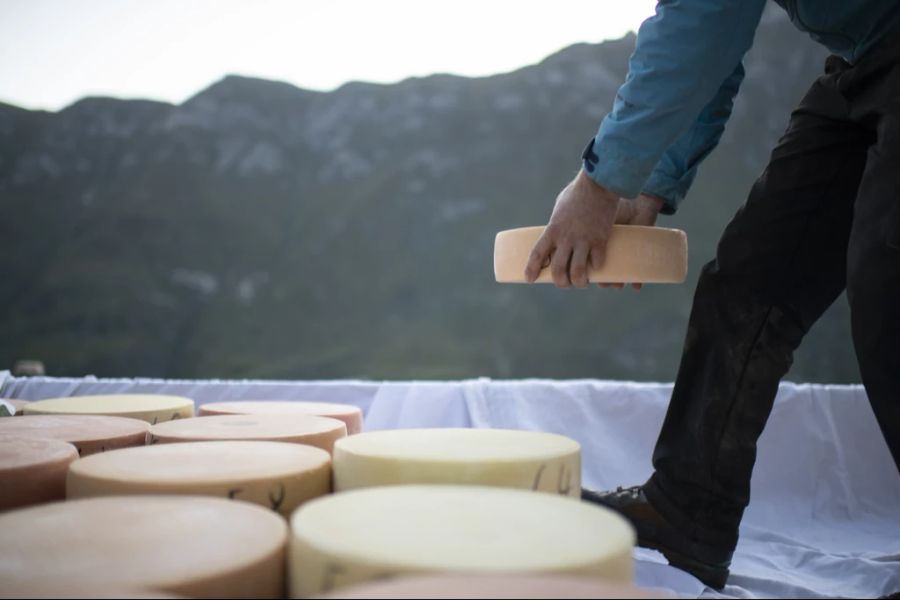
(528, 460)
(321, 432)
(147, 407)
(349, 414)
(196, 546)
(32, 471)
(492, 586)
(272, 474)
(88, 433)
(380, 532)
(634, 254)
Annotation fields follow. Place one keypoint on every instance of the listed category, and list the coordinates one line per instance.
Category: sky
(53, 52)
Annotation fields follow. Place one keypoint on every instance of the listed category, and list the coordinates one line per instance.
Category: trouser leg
(780, 263)
(873, 263)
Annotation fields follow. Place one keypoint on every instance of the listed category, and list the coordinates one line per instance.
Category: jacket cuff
(671, 190)
(617, 174)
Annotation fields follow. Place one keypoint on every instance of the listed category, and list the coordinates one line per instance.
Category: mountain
(261, 230)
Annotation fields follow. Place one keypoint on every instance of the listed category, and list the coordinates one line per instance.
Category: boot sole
(714, 577)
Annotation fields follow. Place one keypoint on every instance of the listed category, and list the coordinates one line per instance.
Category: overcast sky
(53, 52)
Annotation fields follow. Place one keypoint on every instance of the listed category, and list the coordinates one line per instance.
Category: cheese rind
(274, 475)
(373, 533)
(634, 254)
(88, 433)
(349, 414)
(196, 546)
(33, 471)
(492, 586)
(153, 408)
(528, 460)
(321, 432)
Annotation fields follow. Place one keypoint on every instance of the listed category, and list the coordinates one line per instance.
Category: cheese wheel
(349, 414)
(147, 407)
(634, 254)
(33, 470)
(492, 586)
(18, 405)
(320, 432)
(381, 532)
(272, 474)
(49, 587)
(530, 460)
(196, 546)
(88, 433)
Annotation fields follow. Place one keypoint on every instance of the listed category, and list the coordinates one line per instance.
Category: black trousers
(823, 217)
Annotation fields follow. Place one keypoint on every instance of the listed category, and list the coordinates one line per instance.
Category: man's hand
(576, 236)
(643, 210)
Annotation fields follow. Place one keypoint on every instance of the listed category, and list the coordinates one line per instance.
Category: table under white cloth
(823, 521)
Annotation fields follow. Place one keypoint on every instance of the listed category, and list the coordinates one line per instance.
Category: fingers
(538, 258)
(578, 267)
(559, 266)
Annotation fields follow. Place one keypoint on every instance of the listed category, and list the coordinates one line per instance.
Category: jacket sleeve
(675, 171)
(684, 55)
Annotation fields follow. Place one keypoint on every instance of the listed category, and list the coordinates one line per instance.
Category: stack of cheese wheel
(33, 470)
(492, 586)
(529, 460)
(88, 433)
(152, 408)
(320, 432)
(634, 254)
(18, 405)
(380, 532)
(196, 546)
(275, 475)
(349, 414)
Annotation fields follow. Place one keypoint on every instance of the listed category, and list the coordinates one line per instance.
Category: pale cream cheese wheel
(195, 546)
(272, 474)
(320, 432)
(33, 471)
(469, 585)
(153, 408)
(530, 460)
(88, 433)
(634, 254)
(349, 414)
(357, 536)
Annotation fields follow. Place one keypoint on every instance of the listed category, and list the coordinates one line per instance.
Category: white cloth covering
(824, 519)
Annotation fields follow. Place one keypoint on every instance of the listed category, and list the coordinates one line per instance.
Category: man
(823, 216)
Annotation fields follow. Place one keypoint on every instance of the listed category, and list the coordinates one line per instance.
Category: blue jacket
(683, 76)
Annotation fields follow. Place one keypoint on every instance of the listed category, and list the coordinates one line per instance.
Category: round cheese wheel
(320, 432)
(374, 533)
(147, 407)
(528, 460)
(634, 254)
(88, 433)
(492, 586)
(196, 546)
(19, 405)
(349, 414)
(273, 474)
(33, 470)
(50, 587)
